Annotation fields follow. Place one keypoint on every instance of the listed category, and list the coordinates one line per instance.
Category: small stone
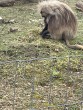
(13, 29)
(1, 20)
(11, 21)
(5, 3)
(56, 50)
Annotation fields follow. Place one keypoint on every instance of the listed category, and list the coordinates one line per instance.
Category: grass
(65, 74)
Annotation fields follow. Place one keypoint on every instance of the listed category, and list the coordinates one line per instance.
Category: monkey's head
(44, 12)
(45, 9)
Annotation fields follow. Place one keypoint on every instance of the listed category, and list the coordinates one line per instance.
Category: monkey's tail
(76, 46)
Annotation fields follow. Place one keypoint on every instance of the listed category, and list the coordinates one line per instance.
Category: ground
(36, 72)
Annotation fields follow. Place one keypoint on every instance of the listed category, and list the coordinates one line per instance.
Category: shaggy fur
(62, 23)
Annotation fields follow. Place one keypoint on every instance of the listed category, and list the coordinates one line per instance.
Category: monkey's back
(63, 22)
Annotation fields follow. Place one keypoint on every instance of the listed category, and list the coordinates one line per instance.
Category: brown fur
(62, 23)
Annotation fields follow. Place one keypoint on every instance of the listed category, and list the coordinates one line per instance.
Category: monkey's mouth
(43, 16)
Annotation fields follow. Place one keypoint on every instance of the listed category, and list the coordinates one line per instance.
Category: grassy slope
(28, 23)
(27, 44)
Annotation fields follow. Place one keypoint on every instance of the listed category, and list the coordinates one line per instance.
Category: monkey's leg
(46, 27)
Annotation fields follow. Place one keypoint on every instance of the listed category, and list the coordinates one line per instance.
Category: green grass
(25, 44)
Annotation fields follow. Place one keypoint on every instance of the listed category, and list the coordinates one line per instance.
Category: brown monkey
(60, 21)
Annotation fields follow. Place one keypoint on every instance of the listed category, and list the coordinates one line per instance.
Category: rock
(1, 20)
(5, 3)
(79, 6)
(12, 21)
(33, 1)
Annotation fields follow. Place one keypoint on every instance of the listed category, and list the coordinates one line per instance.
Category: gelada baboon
(60, 21)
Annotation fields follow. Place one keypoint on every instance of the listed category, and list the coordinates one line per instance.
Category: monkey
(60, 21)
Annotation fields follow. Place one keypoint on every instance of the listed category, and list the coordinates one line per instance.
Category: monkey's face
(43, 14)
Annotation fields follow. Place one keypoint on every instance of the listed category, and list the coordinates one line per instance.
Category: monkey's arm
(45, 29)
(45, 33)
